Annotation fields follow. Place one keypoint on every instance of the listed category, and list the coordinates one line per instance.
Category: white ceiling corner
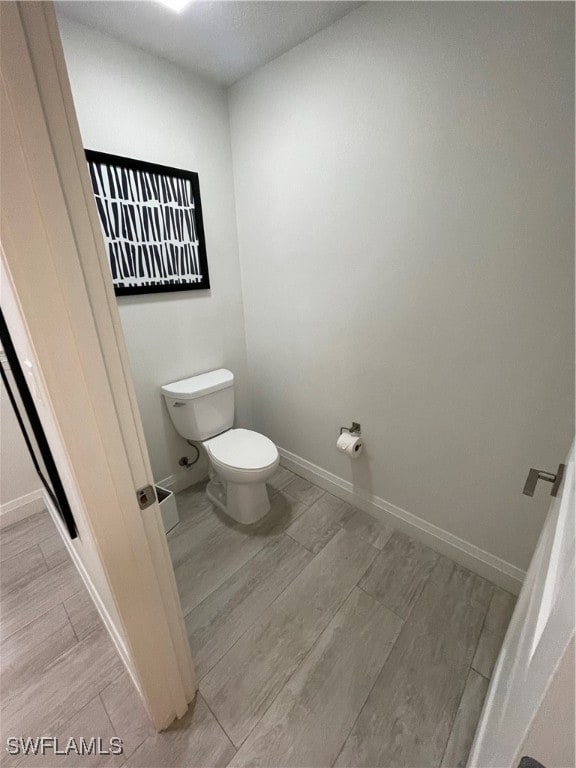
(223, 40)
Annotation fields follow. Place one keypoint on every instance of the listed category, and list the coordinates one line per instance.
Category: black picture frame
(164, 261)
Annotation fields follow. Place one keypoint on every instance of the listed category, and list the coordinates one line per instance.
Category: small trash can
(168, 508)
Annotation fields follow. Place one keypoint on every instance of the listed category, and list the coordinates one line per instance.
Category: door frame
(61, 312)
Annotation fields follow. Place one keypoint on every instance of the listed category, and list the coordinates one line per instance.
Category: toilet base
(247, 503)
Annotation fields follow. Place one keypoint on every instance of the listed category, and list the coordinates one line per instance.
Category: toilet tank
(202, 406)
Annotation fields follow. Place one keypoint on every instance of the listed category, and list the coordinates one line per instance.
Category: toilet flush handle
(178, 404)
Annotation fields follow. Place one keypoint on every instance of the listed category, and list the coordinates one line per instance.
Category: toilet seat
(243, 450)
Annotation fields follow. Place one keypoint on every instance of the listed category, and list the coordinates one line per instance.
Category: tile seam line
(69, 619)
(376, 678)
(224, 731)
(308, 652)
(404, 621)
(273, 538)
(3, 638)
(472, 656)
(54, 660)
(17, 585)
(114, 731)
(268, 606)
(260, 614)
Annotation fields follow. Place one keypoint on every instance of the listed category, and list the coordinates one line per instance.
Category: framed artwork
(151, 218)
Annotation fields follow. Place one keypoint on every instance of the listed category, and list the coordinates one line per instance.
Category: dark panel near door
(32, 430)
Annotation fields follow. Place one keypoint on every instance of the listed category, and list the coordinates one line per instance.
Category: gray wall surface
(404, 192)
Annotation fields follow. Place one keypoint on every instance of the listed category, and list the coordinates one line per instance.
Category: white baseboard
(109, 623)
(22, 507)
(483, 563)
(180, 480)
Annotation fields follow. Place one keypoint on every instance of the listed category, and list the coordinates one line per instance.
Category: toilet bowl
(244, 460)
(241, 461)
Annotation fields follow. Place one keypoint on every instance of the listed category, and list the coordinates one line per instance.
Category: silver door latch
(146, 496)
(538, 474)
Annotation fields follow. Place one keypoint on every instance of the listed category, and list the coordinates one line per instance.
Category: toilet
(241, 461)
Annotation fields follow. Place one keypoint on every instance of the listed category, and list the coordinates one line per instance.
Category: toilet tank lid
(196, 386)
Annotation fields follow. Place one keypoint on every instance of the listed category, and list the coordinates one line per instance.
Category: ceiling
(222, 40)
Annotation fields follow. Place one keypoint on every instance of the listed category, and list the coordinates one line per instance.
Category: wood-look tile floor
(323, 637)
(60, 674)
(320, 637)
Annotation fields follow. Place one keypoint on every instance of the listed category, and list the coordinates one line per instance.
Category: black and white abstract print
(152, 224)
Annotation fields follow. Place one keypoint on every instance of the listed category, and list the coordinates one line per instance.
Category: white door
(539, 634)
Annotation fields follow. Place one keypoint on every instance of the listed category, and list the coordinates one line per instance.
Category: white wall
(405, 210)
(20, 486)
(129, 103)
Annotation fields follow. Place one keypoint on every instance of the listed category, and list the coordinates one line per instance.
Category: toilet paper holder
(355, 429)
